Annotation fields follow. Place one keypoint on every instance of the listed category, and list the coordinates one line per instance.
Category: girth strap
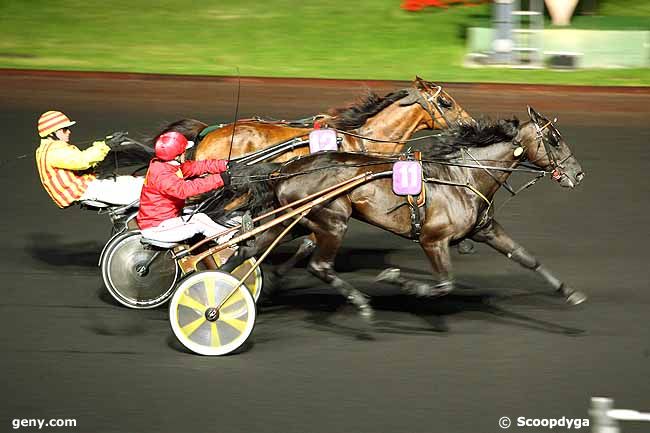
(416, 204)
(416, 218)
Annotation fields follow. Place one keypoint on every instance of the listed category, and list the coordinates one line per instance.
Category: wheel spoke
(235, 297)
(193, 326)
(215, 341)
(238, 324)
(209, 291)
(192, 303)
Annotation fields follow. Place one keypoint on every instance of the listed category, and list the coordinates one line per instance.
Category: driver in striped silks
(66, 172)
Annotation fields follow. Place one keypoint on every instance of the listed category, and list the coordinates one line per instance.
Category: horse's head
(441, 107)
(545, 147)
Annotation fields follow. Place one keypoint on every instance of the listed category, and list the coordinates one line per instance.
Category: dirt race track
(501, 346)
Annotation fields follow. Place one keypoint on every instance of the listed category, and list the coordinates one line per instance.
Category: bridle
(429, 103)
(556, 167)
(432, 106)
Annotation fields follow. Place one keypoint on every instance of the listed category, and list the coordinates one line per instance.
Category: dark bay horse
(390, 119)
(462, 172)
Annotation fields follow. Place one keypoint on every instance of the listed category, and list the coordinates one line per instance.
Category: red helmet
(170, 145)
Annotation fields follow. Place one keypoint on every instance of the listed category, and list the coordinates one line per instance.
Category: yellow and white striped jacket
(58, 162)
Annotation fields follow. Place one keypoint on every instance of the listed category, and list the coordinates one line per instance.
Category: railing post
(601, 422)
(502, 40)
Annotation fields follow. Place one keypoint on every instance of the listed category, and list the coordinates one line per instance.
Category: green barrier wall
(596, 48)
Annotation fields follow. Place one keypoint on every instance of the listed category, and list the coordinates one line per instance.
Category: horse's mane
(482, 133)
(254, 182)
(190, 128)
(355, 115)
(130, 159)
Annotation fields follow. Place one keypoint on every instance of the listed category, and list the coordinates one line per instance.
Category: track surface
(501, 346)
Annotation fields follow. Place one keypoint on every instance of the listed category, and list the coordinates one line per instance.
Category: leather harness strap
(416, 204)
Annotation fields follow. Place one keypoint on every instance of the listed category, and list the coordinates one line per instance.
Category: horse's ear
(409, 99)
(533, 114)
(420, 83)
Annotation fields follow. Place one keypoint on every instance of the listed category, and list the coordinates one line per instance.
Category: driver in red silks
(169, 181)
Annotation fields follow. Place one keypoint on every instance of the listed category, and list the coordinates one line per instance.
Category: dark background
(501, 346)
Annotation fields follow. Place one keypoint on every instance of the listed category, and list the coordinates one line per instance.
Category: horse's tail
(251, 187)
(190, 128)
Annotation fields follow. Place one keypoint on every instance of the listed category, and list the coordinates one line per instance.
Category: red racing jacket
(166, 187)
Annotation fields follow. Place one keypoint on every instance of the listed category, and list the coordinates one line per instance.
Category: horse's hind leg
(262, 242)
(305, 250)
(329, 226)
(495, 236)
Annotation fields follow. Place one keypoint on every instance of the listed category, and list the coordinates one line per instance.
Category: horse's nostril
(580, 176)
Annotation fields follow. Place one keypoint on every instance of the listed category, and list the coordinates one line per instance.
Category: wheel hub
(212, 314)
(142, 270)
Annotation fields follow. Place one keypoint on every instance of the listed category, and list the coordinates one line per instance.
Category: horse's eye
(554, 138)
(444, 102)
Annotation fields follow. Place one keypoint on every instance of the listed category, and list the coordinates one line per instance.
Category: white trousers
(121, 190)
(178, 229)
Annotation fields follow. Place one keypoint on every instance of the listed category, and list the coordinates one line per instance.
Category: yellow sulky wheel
(254, 280)
(205, 320)
(136, 276)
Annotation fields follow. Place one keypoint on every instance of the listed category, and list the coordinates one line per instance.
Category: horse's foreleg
(440, 259)
(495, 236)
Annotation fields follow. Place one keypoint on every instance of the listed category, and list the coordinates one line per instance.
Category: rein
(378, 140)
(505, 184)
(387, 160)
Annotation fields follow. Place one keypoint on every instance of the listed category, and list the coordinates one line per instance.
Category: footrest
(246, 226)
(123, 210)
(159, 244)
(187, 210)
(93, 204)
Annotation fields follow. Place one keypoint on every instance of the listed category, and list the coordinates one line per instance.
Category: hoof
(389, 275)
(442, 289)
(366, 312)
(466, 247)
(360, 301)
(424, 290)
(576, 298)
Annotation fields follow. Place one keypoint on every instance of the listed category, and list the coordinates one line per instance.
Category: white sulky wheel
(253, 282)
(203, 328)
(133, 276)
